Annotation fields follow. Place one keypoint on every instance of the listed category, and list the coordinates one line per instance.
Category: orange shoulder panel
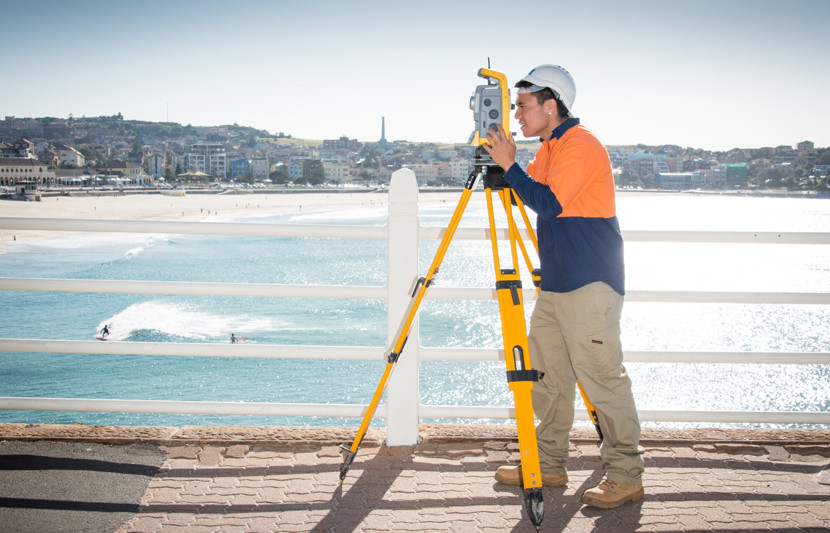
(577, 169)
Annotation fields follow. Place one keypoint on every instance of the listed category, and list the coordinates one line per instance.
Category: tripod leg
(402, 334)
(592, 411)
(520, 375)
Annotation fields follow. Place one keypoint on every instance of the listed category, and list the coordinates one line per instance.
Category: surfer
(233, 338)
(105, 331)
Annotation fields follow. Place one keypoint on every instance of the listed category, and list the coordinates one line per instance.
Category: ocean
(194, 319)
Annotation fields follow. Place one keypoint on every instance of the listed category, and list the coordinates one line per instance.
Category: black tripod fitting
(492, 174)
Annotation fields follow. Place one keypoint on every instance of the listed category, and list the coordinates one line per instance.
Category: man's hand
(502, 147)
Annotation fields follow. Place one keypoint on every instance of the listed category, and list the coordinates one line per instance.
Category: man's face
(532, 117)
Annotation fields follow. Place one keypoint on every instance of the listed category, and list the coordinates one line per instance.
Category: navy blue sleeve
(535, 195)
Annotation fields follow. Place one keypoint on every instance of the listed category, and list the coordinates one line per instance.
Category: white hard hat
(554, 78)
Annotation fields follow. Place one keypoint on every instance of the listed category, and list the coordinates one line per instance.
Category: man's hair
(547, 94)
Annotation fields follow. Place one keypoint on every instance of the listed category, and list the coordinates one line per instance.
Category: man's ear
(550, 107)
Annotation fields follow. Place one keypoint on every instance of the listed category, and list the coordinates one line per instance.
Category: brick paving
(287, 479)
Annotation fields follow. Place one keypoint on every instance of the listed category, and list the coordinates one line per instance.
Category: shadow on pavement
(73, 486)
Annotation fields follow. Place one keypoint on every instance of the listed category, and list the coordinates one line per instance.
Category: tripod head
(491, 173)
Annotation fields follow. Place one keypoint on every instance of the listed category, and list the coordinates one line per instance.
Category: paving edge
(429, 433)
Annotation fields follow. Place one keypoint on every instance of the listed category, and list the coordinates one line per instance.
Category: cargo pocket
(605, 302)
(604, 351)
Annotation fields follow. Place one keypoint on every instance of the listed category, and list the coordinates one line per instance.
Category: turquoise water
(646, 326)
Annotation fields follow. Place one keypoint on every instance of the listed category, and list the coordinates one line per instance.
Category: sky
(706, 74)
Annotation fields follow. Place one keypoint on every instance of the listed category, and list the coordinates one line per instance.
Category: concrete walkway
(287, 479)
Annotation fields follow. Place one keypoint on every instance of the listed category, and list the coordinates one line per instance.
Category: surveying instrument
(491, 106)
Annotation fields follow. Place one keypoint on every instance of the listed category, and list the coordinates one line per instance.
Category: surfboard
(241, 339)
(100, 338)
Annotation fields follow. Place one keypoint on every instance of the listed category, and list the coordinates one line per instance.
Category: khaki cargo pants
(576, 335)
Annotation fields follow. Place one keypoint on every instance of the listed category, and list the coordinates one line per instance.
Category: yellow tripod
(520, 375)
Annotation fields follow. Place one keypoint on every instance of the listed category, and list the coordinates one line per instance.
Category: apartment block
(260, 168)
(209, 158)
(336, 172)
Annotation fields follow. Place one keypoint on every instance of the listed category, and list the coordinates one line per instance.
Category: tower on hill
(382, 140)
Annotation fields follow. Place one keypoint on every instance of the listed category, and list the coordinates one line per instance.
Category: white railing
(403, 235)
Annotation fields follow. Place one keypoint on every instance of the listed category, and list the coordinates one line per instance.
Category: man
(105, 331)
(575, 326)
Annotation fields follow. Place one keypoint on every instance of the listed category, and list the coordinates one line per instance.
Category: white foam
(150, 241)
(182, 321)
(79, 241)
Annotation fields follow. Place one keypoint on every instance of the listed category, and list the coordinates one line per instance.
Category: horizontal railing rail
(400, 276)
(211, 288)
(369, 292)
(193, 228)
(378, 232)
(353, 411)
(368, 353)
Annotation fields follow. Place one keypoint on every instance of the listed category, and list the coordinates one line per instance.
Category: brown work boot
(512, 475)
(610, 494)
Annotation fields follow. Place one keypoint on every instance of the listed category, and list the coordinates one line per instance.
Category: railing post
(402, 397)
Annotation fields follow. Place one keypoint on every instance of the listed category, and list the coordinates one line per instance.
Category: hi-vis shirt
(571, 188)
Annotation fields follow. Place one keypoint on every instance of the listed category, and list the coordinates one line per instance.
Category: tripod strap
(522, 375)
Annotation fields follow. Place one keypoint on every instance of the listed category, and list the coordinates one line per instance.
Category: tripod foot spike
(348, 457)
(534, 505)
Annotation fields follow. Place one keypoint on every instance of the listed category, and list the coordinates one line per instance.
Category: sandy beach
(190, 207)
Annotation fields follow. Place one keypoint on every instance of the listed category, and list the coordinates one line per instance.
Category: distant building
(295, 170)
(736, 173)
(239, 167)
(129, 171)
(155, 165)
(460, 168)
(260, 168)
(443, 172)
(724, 176)
(424, 173)
(209, 158)
(15, 169)
(69, 156)
(337, 172)
(784, 155)
(178, 162)
(22, 148)
(343, 143)
(618, 154)
(6, 150)
(648, 164)
(48, 156)
(680, 180)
